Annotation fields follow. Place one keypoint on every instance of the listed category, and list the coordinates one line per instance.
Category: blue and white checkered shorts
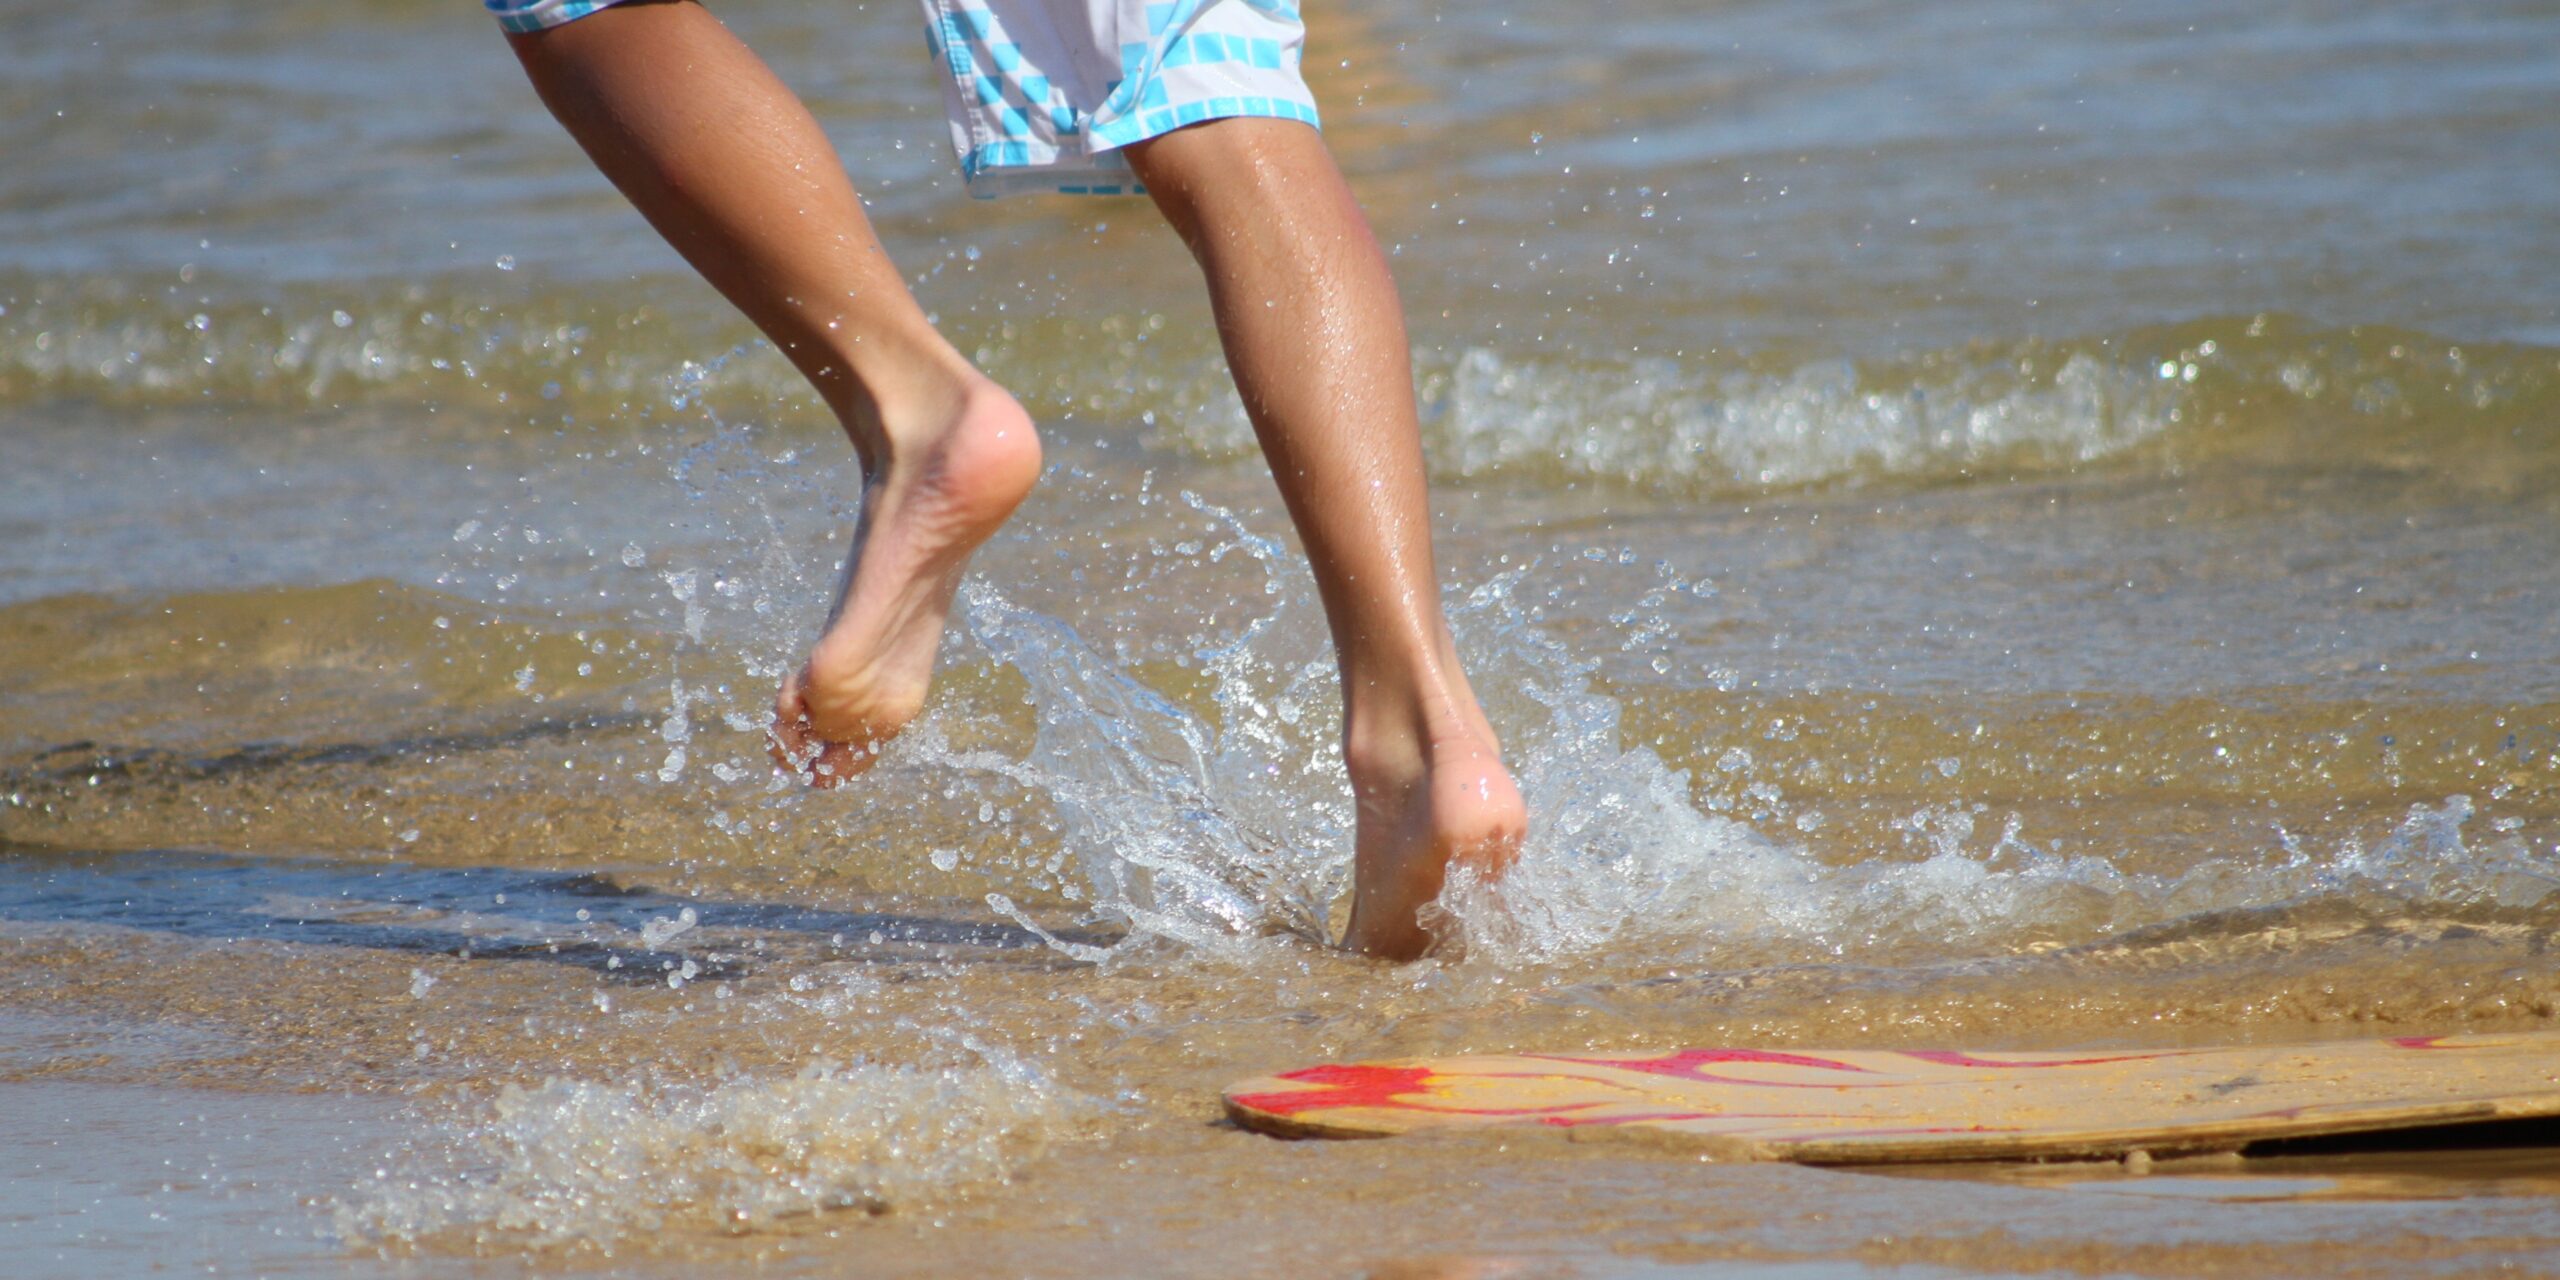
(1042, 94)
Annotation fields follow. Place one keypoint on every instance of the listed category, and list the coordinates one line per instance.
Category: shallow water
(1987, 525)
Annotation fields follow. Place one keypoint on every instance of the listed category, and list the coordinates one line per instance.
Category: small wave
(1653, 423)
(2174, 395)
(1658, 423)
(547, 357)
(580, 1163)
(1706, 424)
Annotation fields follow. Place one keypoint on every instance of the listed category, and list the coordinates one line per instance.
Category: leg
(1315, 336)
(733, 171)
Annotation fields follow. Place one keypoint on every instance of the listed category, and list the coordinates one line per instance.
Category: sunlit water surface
(1985, 524)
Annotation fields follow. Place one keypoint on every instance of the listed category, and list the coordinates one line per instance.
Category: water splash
(1212, 833)
(1208, 833)
(1225, 829)
(571, 1162)
(2426, 859)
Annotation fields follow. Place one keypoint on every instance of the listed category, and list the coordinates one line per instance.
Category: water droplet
(661, 930)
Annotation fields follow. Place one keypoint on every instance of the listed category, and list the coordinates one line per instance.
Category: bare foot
(939, 493)
(1449, 804)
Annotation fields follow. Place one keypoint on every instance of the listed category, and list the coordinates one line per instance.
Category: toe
(806, 752)
(794, 743)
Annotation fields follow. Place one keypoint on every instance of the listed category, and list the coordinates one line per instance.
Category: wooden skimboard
(1865, 1106)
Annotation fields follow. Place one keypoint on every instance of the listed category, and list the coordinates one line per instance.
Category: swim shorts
(1042, 94)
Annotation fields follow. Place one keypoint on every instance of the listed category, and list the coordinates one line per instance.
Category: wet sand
(1979, 528)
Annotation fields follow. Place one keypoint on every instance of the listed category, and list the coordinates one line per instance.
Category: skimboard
(1866, 1106)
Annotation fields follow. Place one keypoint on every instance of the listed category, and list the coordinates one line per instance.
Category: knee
(1196, 172)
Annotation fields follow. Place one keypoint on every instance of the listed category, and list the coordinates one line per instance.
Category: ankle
(895, 399)
(1393, 741)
